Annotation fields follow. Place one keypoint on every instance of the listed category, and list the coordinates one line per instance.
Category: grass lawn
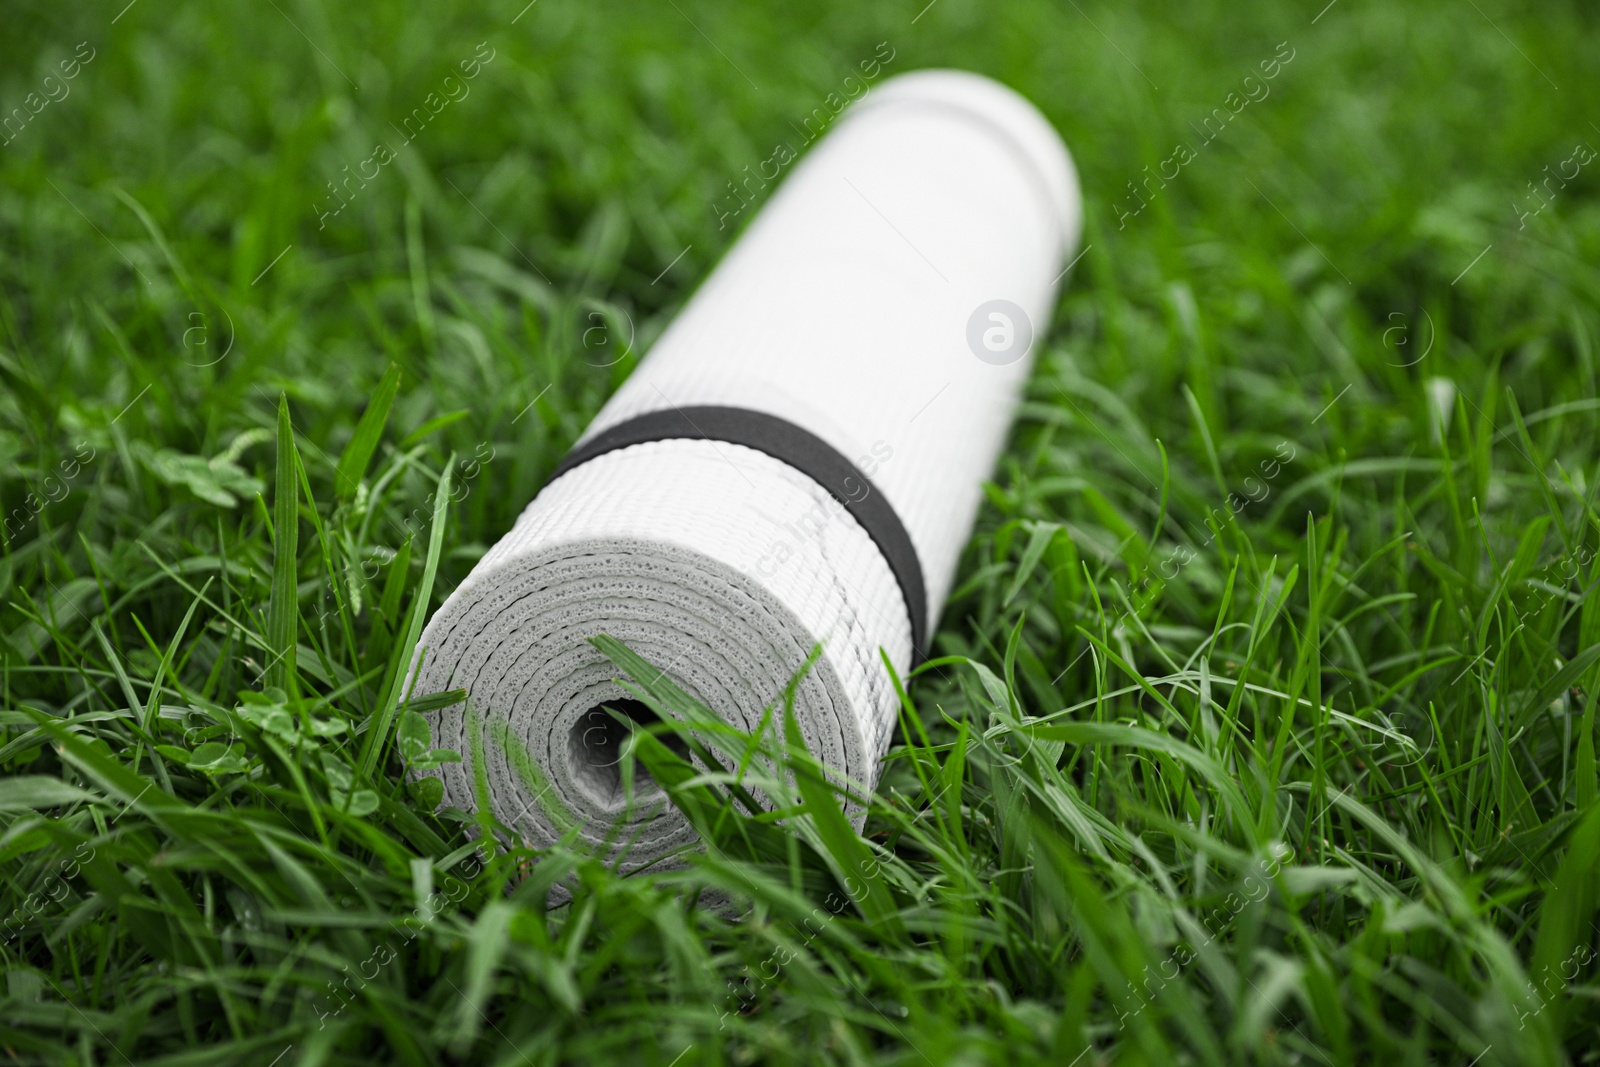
(1263, 723)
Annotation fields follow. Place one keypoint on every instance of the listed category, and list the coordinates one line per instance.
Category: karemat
(799, 459)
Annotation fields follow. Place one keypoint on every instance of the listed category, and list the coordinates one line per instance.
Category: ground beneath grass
(1264, 725)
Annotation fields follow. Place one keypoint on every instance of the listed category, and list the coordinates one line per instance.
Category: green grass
(1305, 778)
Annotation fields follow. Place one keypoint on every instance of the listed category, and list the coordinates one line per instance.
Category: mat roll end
(669, 547)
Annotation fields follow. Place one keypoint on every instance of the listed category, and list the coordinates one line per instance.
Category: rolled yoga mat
(799, 459)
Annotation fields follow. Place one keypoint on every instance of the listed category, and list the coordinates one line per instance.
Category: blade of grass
(283, 610)
(404, 661)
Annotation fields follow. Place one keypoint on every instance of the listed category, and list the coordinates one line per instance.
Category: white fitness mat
(881, 301)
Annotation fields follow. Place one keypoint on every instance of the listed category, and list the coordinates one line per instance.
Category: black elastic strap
(800, 449)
